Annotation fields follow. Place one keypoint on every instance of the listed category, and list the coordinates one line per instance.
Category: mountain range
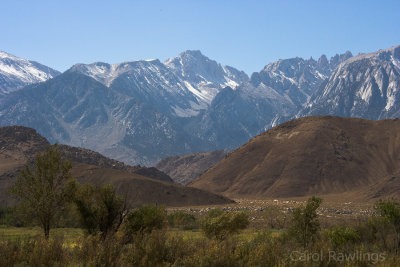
(142, 111)
(135, 111)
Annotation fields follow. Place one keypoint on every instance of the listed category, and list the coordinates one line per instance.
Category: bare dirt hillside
(91, 157)
(312, 156)
(184, 169)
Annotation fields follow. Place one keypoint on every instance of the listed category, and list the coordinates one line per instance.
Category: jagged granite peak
(205, 77)
(366, 86)
(297, 78)
(16, 73)
(323, 64)
(199, 68)
(337, 59)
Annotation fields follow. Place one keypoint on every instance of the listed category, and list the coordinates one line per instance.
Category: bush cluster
(219, 224)
(151, 244)
(182, 220)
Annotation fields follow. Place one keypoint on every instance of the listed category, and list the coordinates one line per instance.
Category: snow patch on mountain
(184, 113)
(16, 73)
(203, 76)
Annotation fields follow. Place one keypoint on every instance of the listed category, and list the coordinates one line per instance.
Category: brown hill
(91, 157)
(143, 190)
(184, 169)
(19, 145)
(314, 155)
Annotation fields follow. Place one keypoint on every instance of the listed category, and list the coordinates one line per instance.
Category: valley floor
(330, 211)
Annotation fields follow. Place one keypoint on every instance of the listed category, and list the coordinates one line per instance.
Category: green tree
(101, 209)
(219, 224)
(145, 219)
(43, 190)
(305, 224)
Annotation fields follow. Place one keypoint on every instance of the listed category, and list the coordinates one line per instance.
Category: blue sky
(244, 34)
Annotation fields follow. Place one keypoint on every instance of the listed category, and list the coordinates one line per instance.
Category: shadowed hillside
(19, 145)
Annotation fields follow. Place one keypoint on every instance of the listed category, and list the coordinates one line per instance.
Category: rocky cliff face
(365, 86)
(296, 78)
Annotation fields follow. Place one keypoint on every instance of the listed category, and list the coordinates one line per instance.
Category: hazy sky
(244, 34)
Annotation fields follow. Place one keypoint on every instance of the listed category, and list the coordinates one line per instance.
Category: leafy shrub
(219, 253)
(145, 219)
(182, 220)
(390, 210)
(266, 250)
(219, 224)
(343, 236)
(158, 249)
(9, 217)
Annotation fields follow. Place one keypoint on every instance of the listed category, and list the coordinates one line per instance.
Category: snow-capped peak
(7, 55)
(206, 77)
(107, 73)
(17, 72)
